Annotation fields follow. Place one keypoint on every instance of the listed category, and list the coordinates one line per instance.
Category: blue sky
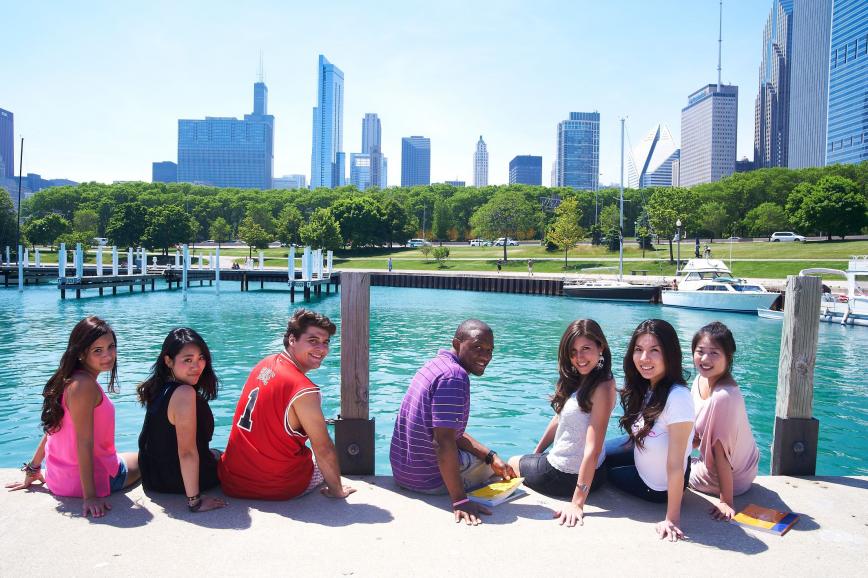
(97, 87)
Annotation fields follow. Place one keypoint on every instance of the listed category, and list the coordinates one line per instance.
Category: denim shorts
(541, 476)
(119, 481)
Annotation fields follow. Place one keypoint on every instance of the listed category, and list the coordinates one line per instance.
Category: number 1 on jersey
(246, 422)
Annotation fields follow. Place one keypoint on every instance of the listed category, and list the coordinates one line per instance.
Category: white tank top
(568, 448)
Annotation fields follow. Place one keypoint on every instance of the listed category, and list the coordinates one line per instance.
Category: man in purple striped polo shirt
(431, 453)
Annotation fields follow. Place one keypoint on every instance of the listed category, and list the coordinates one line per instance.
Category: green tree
(253, 235)
(45, 230)
(426, 249)
(834, 206)
(565, 231)
(666, 206)
(127, 224)
(506, 214)
(360, 219)
(260, 214)
(714, 218)
(440, 254)
(168, 225)
(399, 225)
(289, 222)
(85, 221)
(441, 221)
(322, 231)
(765, 219)
(8, 220)
(610, 217)
(219, 231)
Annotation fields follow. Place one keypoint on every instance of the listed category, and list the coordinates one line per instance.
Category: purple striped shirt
(439, 396)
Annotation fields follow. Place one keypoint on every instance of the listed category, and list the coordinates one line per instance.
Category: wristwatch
(489, 457)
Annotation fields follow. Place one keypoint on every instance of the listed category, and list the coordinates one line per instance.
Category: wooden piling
(796, 432)
(354, 431)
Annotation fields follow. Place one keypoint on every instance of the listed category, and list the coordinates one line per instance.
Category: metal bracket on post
(354, 442)
(794, 446)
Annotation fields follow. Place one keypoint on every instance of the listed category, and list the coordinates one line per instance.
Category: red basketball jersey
(264, 458)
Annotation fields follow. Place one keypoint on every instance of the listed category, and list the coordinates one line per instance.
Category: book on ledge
(766, 519)
(497, 493)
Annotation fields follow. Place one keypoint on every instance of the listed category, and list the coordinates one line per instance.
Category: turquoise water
(509, 405)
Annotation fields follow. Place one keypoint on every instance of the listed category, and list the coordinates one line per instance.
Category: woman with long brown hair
(651, 461)
(583, 402)
(78, 419)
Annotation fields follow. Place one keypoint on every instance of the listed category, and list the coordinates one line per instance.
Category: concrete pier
(383, 531)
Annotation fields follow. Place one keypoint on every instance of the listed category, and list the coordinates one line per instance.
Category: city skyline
(146, 87)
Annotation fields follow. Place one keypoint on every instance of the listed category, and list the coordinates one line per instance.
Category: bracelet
(194, 502)
(584, 488)
(460, 502)
(30, 469)
(489, 458)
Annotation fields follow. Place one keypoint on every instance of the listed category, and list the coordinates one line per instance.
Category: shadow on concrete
(235, 516)
(824, 481)
(317, 509)
(125, 512)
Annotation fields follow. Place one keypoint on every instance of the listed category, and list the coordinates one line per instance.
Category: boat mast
(621, 226)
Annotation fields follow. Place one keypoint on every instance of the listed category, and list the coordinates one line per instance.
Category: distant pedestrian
(499, 265)
(530, 267)
(390, 264)
(707, 253)
(696, 248)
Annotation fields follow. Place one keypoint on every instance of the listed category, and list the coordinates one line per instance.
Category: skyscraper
(415, 161)
(525, 170)
(7, 144)
(361, 170)
(372, 145)
(327, 157)
(772, 108)
(164, 172)
(848, 83)
(290, 182)
(809, 83)
(226, 151)
(578, 158)
(650, 163)
(709, 127)
(480, 164)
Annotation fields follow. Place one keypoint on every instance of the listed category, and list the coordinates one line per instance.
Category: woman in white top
(583, 402)
(651, 461)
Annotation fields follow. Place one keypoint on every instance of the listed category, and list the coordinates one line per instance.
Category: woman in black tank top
(173, 447)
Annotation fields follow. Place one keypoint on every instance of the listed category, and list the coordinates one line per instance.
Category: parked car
(786, 236)
(100, 241)
(506, 240)
(416, 243)
(480, 243)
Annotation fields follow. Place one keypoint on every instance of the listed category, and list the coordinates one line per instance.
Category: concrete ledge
(383, 531)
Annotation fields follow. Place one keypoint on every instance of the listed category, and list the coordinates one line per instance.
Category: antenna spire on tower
(719, 43)
(261, 68)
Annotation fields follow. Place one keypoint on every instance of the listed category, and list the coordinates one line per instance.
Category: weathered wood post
(796, 432)
(354, 431)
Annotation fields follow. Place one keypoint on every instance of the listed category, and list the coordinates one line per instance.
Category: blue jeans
(621, 467)
(119, 481)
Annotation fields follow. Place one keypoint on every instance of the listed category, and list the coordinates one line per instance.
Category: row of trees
(826, 200)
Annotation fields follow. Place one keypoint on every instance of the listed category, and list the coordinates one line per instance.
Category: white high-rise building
(709, 128)
(327, 157)
(650, 163)
(480, 164)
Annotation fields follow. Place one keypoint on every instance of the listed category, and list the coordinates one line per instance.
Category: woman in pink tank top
(79, 423)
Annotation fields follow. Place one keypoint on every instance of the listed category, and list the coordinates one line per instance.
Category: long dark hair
(636, 386)
(570, 380)
(161, 374)
(82, 337)
(722, 337)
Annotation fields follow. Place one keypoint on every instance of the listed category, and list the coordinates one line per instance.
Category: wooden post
(796, 432)
(354, 431)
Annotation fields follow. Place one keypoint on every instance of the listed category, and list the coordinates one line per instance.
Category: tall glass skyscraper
(327, 157)
(578, 158)
(709, 129)
(772, 108)
(480, 164)
(650, 164)
(7, 144)
(847, 140)
(164, 172)
(228, 152)
(415, 161)
(525, 170)
(372, 145)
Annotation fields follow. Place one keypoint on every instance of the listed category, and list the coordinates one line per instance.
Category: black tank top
(158, 446)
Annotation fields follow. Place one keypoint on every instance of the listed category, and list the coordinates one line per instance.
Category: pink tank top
(61, 458)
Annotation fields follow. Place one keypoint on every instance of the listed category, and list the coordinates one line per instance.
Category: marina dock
(383, 531)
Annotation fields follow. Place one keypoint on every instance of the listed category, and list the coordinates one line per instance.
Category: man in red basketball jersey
(279, 410)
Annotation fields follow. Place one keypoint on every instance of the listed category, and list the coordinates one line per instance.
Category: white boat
(852, 310)
(709, 284)
(770, 314)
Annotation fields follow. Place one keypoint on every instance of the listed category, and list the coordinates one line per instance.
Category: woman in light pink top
(728, 454)
(79, 424)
